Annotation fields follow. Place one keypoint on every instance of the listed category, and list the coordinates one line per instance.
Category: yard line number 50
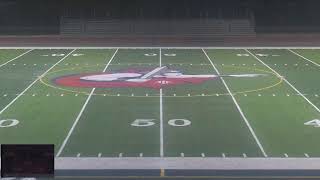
(151, 122)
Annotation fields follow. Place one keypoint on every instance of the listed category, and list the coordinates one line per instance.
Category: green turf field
(275, 114)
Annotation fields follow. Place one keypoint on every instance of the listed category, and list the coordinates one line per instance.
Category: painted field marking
(15, 99)
(304, 58)
(161, 111)
(82, 109)
(74, 124)
(304, 97)
(13, 122)
(16, 57)
(301, 94)
(244, 155)
(306, 155)
(238, 107)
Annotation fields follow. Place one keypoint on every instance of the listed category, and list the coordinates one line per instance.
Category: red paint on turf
(155, 83)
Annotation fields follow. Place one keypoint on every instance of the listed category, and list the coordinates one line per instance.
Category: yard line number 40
(151, 122)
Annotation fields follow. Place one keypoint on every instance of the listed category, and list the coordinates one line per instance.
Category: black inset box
(33, 160)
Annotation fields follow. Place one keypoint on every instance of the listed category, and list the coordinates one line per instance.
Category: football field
(162, 102)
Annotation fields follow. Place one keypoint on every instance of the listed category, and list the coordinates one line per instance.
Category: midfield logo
(148, 78)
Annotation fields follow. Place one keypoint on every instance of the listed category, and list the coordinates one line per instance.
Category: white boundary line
(193, 163)
(304, 97)
(238, 107)
(186, 163)
(82, 110)
(164, 47)
(161, 112)
(304, 57)
(16, 57)
(34, 82)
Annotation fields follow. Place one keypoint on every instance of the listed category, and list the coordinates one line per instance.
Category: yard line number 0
(150, 122)
(8, 123)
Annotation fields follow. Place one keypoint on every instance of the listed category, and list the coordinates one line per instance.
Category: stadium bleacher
(186, 28)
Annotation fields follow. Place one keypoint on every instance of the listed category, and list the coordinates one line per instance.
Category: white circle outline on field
(186, 122)
(14, 122)
(143, 122)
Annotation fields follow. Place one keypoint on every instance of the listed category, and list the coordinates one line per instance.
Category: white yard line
(34, 82)
(304, 57)
(161, 124)
(161, 112)
(82, 110)
(304, 97)
(75, 123)
(16, 58)
(238, 107)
